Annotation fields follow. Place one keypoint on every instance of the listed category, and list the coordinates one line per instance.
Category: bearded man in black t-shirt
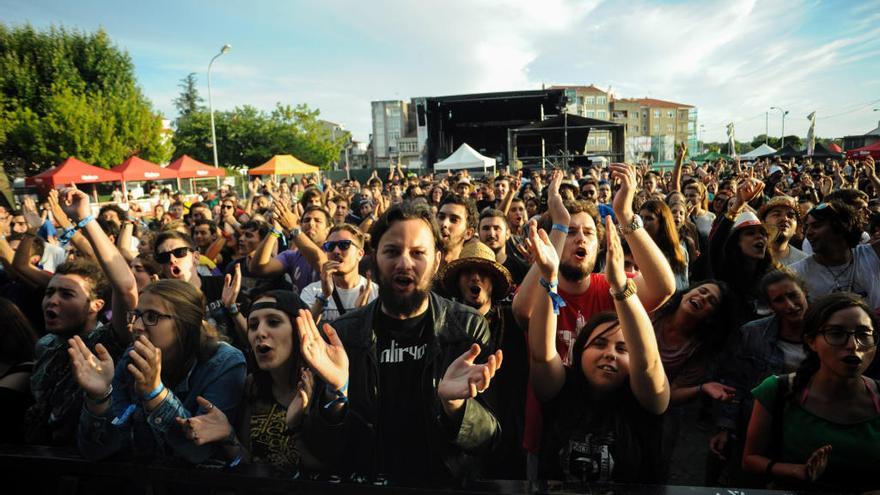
(400, 393)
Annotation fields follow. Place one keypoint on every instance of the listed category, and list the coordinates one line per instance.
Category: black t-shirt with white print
(401, 348)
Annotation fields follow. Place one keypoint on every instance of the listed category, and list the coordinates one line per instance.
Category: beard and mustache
(402, 304)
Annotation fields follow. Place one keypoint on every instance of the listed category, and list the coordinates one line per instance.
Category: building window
(602, 141)
(601, 114)
(600, 100)
(644, 115)
(656, 114)
(670, 114)
(580, 100)
(590, 113)
(656, 127)
(670, 127)
(634, 128)
(644, 129)
(591, 141)
(588, 100)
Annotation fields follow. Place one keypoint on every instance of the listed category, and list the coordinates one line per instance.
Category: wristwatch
(635, 225)
(322, 298)
(295, 232)
(630, 290)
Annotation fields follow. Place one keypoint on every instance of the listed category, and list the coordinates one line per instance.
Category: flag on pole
(811, 136)
(731, 140)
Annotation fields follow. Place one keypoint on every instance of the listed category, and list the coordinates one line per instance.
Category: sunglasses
(343, 245)
(178, 253)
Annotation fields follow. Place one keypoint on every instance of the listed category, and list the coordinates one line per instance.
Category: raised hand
(718, 391)
(364, 297)
(682, 151)
(542, 251)
(145, 366)
(93, 373)
(622, 202)
(554, 200)
(464, 379)
(614, 257)
(327, 359)
(300, 402)
(328, 269)
(285, 218)
(816, 464)
(57, 212)
(231, 287)
(749, 190)
(212, 426)
(76, 204)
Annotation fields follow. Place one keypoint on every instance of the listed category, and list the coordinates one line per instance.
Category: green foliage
(189, 101)
(70, 93)
(248, 136)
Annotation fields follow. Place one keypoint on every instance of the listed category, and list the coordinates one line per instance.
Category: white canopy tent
(758, 152)
(465, 157)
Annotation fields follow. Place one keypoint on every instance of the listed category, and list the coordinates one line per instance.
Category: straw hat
(477, 255)
(777, 201)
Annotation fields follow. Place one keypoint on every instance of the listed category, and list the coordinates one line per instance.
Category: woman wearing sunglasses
(341, 287)
(130, 407)
(820, 427)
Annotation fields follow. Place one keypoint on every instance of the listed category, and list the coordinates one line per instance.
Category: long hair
(17, 336)
(261, 387)
(734, 263)
(711, 332)
(667, 236)
(197, 339)
(815, 318)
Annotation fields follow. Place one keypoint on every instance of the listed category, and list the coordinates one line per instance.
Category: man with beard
(479, 281)
(341, 288)
(401, 390)
(780, 216)
(457, 217)
(302, 264)
(495, 234)
(840, 263)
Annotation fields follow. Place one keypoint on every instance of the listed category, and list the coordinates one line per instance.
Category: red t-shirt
(578, 309)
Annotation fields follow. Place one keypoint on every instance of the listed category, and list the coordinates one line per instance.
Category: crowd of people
(714, 324)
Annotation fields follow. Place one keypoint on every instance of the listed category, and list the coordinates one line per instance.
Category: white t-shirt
(793, 354)
(704, 222)
(52, 257)
(347, 296)
(861, 276)
(794, 255)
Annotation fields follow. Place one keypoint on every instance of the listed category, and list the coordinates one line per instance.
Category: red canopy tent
(834, 148)
(137, 169)
(73, 171)
(190, 168)
(872, 149)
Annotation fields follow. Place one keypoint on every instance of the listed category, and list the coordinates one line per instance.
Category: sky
(732, 59)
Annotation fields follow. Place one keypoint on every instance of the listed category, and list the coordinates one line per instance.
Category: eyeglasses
(329, 246)
(839, 336)
(178, 253)
(149, 317)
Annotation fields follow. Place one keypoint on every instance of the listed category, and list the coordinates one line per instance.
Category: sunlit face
(590, 191)
(679, 213)
(502, 186)
(436, 195)
(694, 198)
(475, 286)
(178, 268)
(516, 215)
(454, 230)
(581, 248)
(314, 225)
(341, 212)
(67, 306)
(788, 301)
(111, 216)
(604, 193)
(605, 360)
(494, 233)
(850, 359)
(248, 240)
(203, 236)
(407, 261)
(270, 335)
(348, 258)
(753, 242)
(164, 334)
(650, 183)
(176, 210)
(782, 220)
(701, 302)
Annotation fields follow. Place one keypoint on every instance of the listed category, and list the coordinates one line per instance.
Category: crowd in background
(713, 324)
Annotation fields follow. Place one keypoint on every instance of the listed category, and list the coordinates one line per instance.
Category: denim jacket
(220, 380)
(754, 356)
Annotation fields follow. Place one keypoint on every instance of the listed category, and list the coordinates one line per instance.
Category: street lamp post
(700, 138)
(784, 113)
(223, 50)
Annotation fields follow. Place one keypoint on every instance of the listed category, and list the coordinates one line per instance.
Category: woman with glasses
(341, 287)
(131, 407)
(819, 428)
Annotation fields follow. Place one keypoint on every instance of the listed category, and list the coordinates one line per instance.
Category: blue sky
(732, 59)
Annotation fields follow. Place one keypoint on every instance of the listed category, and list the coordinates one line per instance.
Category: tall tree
(71, 93)
(188, 101)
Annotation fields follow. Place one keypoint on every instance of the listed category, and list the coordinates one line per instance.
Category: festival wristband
(560, 227)
(82, 223)
(277, 233)
(155, 393)
(341, 397)
(555, 298)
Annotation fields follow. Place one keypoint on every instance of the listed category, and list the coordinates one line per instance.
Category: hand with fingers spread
(145, 366)
(231, 287)
(554, 200)
(464, 379)
(93, 372)
(542, 251)
(286, 218)
(296, 409)
(623, 200)
(212, 426)
(327, 359)
(57, 212)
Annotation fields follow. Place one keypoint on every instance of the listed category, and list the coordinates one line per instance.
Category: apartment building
(654, 126)
(394, 132)
(595, 103)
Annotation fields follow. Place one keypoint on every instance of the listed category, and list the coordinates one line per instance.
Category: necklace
(838, 276)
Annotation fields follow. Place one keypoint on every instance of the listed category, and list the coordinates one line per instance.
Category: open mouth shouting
(852, 361)
(580, 254)
(50, 316)
(175, 271)
(696, 303)
(403, 283)
(262, 350)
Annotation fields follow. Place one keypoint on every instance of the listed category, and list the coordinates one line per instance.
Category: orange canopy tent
(137, 169)
(73, 171)
(190, 168)
(284, 165)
